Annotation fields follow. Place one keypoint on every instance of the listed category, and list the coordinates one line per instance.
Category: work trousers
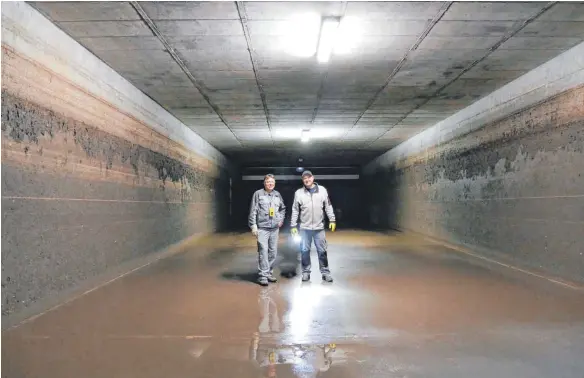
(267, 250)
(320, 243)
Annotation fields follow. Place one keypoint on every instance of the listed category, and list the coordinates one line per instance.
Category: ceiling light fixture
(305, 136)
(328, 38)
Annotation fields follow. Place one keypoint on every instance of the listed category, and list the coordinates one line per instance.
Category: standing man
(311, 202)
(266, 216)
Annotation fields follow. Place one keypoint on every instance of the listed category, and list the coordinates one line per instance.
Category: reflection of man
(310, 203)
(325, 363)
(266, 216)
(266, 357)
(269, 311)
(308, 359)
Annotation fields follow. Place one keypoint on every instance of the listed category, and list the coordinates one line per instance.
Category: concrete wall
(513, 190)
(94, 173)
(503, 176)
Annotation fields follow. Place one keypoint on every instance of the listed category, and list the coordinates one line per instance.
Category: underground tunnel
(139, 233)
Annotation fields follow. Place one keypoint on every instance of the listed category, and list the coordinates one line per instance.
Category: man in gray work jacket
(311, 202)
(266, 216)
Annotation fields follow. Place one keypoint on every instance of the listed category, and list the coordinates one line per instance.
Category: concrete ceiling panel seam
(86, 11)
(152, 26)
(79, 29)
(242, 13)
(493, 48)
(430, 25)
(190, 10)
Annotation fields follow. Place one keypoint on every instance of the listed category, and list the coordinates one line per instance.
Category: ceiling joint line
(200, 87)
(320, 92)
(254, 65)
(490, 50)
(443, 9)
(319, 95)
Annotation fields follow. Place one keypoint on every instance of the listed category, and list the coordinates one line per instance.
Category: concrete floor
(399, 307)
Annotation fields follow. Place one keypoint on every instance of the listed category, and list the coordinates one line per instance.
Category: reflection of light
(328, 39)
(348, 35)
(301, 35)
(315, 133)
(304, 301)
(297, 239)
(305, 136)
(199, 348)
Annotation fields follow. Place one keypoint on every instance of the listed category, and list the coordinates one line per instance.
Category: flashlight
(297, 239)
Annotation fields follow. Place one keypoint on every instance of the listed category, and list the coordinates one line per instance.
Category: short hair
(268, 176)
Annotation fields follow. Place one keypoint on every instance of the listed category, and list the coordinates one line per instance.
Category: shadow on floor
(219, 256)
(288, 262)
(285, 272)
(241, 276)
(288, 270)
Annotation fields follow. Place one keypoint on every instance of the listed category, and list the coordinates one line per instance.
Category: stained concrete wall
(512, 190)
(502, 177)
(93, 175)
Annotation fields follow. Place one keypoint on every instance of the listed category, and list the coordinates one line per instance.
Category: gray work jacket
(259, 211)
(311, 208)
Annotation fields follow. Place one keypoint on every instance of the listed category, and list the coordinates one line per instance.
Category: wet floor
(399, 307)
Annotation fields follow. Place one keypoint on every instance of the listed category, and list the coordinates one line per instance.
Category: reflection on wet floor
(303, 359)
(403, 309)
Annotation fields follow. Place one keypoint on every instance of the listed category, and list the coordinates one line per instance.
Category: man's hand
(254, 230)
(333, 226)
(294, 231)
(280, 224)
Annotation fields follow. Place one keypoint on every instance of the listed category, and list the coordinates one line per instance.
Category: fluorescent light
(328, 37)
(291, 133)
(305, 136)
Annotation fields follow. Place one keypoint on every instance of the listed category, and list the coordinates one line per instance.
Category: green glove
(333, 226)
(294, 231)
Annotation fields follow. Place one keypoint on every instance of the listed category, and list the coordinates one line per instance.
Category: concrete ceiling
(225, 69)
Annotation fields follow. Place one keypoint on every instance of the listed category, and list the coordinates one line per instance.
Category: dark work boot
(305, 277)
(272, 279)
(263, 281)
(327, 277)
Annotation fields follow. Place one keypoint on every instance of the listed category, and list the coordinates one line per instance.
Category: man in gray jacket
(266, 216)
(311, 202)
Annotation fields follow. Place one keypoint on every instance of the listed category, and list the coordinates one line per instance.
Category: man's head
(307, 179)
(269, 182)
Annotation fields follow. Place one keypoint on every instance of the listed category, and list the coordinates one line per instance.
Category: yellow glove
(294, 231)
(333, 226)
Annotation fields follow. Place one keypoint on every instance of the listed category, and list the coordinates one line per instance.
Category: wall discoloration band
(513, 189)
